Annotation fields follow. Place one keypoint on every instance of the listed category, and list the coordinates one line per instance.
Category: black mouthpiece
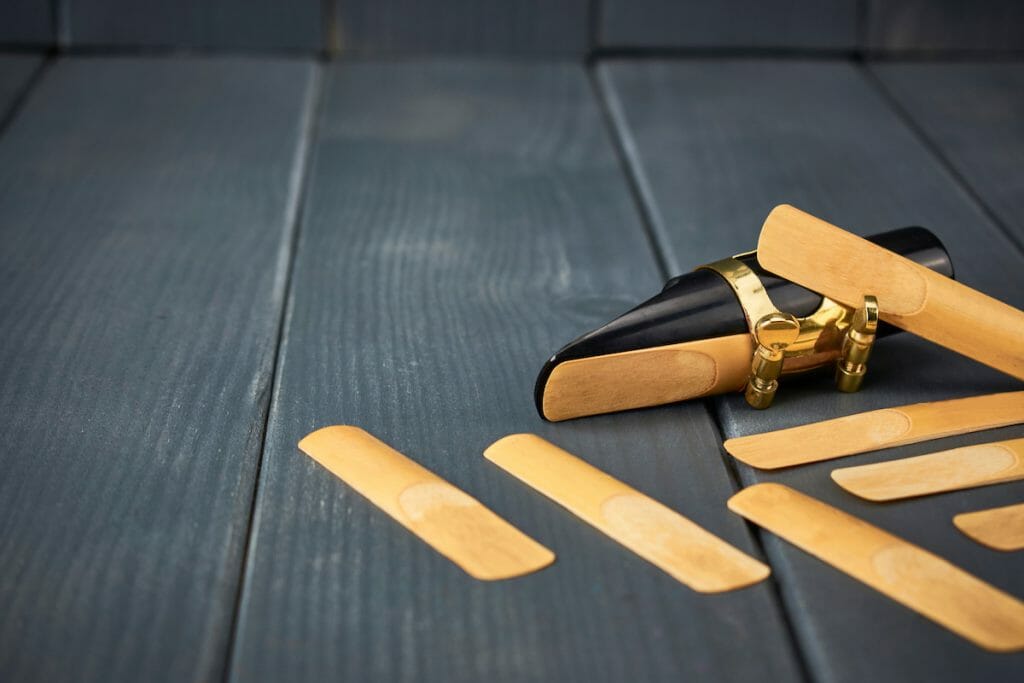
(702, 305)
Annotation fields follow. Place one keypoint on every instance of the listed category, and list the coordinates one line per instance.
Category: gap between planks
(297, 192)
(628, 154)
(934, 148)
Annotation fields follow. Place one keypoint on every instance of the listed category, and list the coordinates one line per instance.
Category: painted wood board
(27, 23)
(715, 144)
(16, 71)
(938, 26)
(463, 220)
(255, 25)
(973, 113)
(788, 24)
(143, 236)
(461, 27)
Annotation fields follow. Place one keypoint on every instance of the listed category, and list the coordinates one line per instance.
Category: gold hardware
(860, 337)
(748, 287)
(831, 333)
(773, 333)
(821, 332)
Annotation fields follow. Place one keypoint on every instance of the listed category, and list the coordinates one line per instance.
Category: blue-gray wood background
(226, 223)
(516, 27)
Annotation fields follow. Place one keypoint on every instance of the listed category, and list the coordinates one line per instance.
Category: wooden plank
(715, 145)
(15, 73)
(944, 26)
(227, 24)
(461, 27)
(788, 24)
(464, 219)
(27, 22)
(974, 116)
(142, 250)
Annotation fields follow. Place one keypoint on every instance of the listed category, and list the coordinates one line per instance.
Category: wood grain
(877, 429)
(714, 144)
(973, 113)
(143, 235)
(910, 575)
(15, 73)
(845, 267)
(665, 538)
(999, 528)
(647, 377)
(465, 219)
(445, 517)
(952, 470)
(707, 205)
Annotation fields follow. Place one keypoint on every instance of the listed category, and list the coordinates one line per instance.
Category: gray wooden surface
(792, 24)
(715, 145)
(26, 22)
(973, 115)
(462, 221)
(264, 25)
(523, 27)
(16, 72)
(415, 27)
(146, 215)
(944, 26)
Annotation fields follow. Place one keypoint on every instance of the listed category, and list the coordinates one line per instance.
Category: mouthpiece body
(697, 336)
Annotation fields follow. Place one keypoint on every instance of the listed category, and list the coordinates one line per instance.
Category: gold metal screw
(860, 337)
(773, 333)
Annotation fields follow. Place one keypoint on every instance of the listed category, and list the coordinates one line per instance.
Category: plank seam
(18, 103)
(625, 153)
(334, 48)
(614, 118)
(167, 51)
(755, 533)
(943, 160)
(721, 52)
(285, 269)
(944, 56)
